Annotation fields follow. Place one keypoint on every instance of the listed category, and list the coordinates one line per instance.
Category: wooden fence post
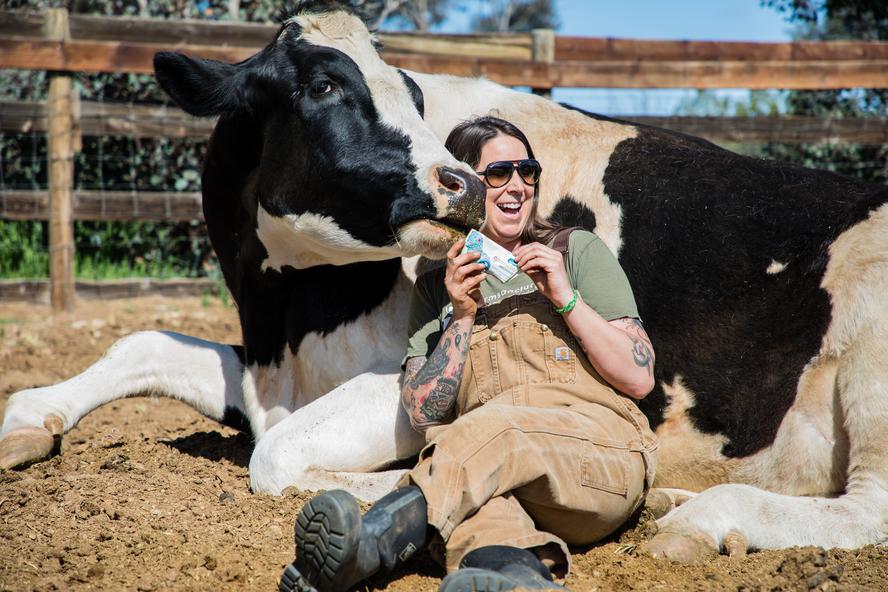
(60, 153)
(543, 50)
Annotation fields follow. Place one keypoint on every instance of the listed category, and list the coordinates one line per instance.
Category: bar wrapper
(498, 261)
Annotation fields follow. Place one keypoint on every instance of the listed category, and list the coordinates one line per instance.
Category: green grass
(91, 268)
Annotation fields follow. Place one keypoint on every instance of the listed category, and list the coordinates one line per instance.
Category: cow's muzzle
(460, 198)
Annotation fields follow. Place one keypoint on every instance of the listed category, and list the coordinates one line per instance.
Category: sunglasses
(498, 173)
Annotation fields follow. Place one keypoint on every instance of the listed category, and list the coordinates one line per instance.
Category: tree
(517, 16)
(835, 20)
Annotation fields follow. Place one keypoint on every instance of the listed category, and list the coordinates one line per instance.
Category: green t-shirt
(592, 269)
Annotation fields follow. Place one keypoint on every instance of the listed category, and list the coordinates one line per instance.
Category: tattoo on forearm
(432, 384)
(642, 349)
(643, 355)
(438, 405)
(433, 367)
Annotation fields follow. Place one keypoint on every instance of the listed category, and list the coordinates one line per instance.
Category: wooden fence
(61, 44)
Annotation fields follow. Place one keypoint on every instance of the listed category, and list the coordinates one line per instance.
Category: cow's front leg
(733, 518)
(338, 441)
(203, 374)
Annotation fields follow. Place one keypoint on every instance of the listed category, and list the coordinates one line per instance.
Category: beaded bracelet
(567, 307)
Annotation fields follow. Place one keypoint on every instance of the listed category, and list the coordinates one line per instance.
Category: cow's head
(348, 169)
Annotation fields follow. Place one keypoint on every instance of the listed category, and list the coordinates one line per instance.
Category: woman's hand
(461, 279)
(545, 267)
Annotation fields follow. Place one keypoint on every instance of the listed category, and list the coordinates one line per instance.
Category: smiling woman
(487, 143)
(534, 371)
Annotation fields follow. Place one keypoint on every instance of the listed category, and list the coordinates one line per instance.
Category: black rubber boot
(498, 568)
(336, 548)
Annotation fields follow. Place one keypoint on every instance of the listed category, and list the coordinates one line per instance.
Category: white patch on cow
(306, 240)
(775, 267)
(409, 267)
(856, 279)
(201, 373)
(391, 97)
(335, 441)
(324, 362)
(557, 135)
(770, 520)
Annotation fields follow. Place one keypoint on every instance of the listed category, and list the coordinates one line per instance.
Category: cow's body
(763, 286)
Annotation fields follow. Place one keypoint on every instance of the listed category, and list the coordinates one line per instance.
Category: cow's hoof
(735, 544)
(27, 445)
(682, 548)
(660, 502)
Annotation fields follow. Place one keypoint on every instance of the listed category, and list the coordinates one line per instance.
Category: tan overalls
(543, 450)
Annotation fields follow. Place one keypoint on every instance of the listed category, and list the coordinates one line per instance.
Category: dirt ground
(149, 495)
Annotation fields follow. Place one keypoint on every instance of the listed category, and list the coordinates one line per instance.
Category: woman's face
(507, 207)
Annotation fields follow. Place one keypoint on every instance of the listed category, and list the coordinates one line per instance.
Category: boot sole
(477, 580)
(292, 581)
(328, 531)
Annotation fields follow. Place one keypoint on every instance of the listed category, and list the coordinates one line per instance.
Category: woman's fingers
(470, 283)
(466, 270)
(461, 260)
(535, 250)
(537, 263)
(456, 248)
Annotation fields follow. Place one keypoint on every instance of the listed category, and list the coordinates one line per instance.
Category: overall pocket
(561, 357)
(605, 465)
(478, 377)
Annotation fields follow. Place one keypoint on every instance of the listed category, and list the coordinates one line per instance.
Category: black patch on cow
(415, 93)
(235, 418)
(569, 212)
(206, 87)
(700, 227)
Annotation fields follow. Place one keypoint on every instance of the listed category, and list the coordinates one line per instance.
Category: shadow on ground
(214, 446)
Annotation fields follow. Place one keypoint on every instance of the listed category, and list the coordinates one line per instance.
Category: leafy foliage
(517, 16)
(833, 20)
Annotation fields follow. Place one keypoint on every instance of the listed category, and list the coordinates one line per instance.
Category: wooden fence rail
(161, 121)
(128, 206)
(37, 290)
(105, 44)
(110, 119)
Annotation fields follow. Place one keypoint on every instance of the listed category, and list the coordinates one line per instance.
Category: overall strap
(560, 243)
(562, 239)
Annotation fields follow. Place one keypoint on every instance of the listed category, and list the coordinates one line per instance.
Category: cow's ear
(415, 93)
(200, 87)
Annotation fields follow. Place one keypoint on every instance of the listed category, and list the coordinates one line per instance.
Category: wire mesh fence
(136, 187)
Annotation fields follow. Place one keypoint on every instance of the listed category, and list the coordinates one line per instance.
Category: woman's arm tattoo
(433, 366)
(431, 385)
(642, 349)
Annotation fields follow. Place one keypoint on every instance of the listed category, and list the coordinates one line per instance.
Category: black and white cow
(763, 285)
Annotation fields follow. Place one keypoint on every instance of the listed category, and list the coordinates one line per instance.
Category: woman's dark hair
(465, 143)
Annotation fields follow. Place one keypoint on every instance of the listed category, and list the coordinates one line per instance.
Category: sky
(725, 20)
(729, 20)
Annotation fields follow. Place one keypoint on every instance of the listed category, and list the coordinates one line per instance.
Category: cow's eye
(319, 87)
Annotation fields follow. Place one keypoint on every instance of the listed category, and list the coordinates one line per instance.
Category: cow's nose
(452, 180)
(465, 194)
